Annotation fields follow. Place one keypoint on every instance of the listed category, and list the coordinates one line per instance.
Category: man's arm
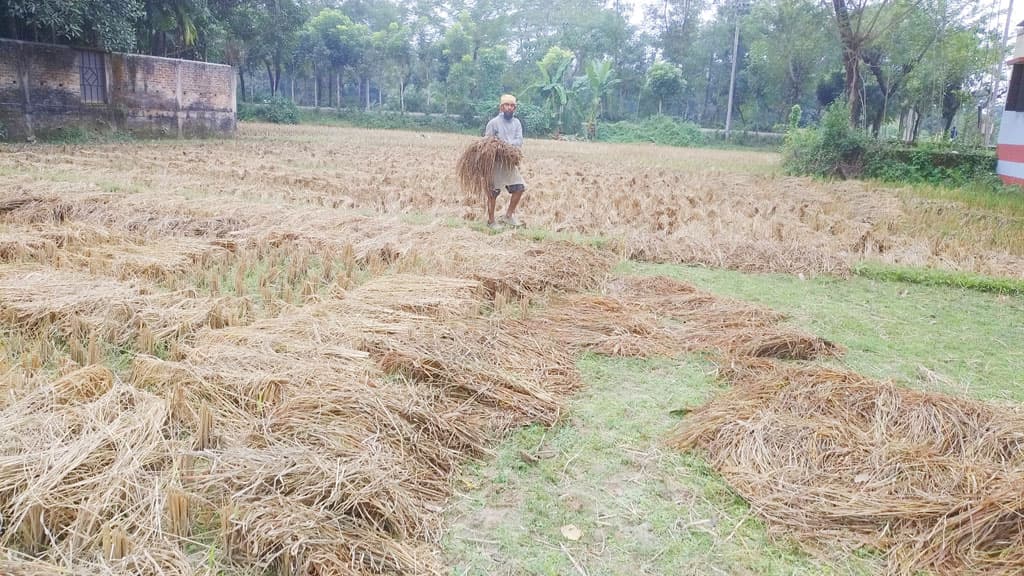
(490, 129)
(517, 138)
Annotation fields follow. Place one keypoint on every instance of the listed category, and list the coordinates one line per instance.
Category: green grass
(933, 277)
(645, 509)
(1007, 200)
(641, 508)
(948, 338)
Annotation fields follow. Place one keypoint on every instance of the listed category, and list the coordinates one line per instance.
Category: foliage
(932, 163)
(795, 113)
(836, 150)
(599, 81)
(586, 61)
(832, 150)
(385, 120)
(551, 86)
(935, 277)
(276, 109)
(656, 129)
(663, 80)
(109, 24)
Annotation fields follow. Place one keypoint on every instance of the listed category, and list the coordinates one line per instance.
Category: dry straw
(478, 162)
(932, 480)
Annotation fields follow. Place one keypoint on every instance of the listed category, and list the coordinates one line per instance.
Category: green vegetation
(277, 110)
(386, 120)
(834, 149)
(639, 508)
(642, 509)
(656, 129)
(932, 277)
(893, 329)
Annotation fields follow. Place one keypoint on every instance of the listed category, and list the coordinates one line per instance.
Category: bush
(278, 110)
(384, 120)
(656, 129)
(933, 163)
(833, 149)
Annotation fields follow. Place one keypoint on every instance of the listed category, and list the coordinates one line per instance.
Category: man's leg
(492, 196)
(517, 194)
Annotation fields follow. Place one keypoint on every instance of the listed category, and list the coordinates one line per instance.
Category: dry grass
(672, 205)
(475, 167)
(307, 370)
(932, 480)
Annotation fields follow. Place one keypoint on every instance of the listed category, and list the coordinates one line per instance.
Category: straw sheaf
(833, 457)
(72, 472)
(81, 305)
(475, 167)
(663, 317)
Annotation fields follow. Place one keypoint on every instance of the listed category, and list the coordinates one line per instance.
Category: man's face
(508, 109)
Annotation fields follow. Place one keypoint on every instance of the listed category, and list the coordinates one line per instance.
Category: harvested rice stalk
(83, 385)
(178, 517)
(116, 544)
(476, 166)
(842, 461)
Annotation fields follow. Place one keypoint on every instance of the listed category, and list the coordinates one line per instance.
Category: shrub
(932, 163)
(659, 129)
(833, 149)
(278, 110)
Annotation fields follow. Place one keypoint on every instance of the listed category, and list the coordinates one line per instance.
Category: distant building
(1010, 149)
(45, 87)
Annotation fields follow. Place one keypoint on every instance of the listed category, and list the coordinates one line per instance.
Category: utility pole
(997, 76)
(732, 75)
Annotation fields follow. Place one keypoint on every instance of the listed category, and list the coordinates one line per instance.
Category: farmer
(505, 126)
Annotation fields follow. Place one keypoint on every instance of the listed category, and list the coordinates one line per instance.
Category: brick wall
(145, 95)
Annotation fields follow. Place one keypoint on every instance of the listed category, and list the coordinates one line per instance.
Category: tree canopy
(916, 63)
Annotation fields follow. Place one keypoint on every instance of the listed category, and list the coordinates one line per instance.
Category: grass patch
(641, 509)
(934, 277)
(944, 338)
(1008, 200)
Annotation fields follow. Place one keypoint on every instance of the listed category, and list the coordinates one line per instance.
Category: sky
(1018, 11)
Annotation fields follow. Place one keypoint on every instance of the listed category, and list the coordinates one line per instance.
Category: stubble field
(275, 353)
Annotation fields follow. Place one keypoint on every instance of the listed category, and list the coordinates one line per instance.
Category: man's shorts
(508, 179)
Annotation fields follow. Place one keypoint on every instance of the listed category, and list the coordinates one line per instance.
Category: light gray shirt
(510, 131)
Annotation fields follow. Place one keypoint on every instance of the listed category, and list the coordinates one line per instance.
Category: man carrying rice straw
(507, 128)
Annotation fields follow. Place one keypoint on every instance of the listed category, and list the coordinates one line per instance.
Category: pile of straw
(837, 459)
(659, 316)
(78, 306)
(475, 168)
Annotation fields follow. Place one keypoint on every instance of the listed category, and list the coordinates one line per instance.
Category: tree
(551, 84)
(108, 24)
(663, 80)
(276, 25)
(789, 53)
(391, 45)
(600, 81)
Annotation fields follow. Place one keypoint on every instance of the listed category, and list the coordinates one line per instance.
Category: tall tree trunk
(316, 88)
(851, 59)
(337, 91)
(241, 80)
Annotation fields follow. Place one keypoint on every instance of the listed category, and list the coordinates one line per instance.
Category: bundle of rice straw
(841, 462)
(475, 167)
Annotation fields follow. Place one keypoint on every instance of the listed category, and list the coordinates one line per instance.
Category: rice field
(273, 354)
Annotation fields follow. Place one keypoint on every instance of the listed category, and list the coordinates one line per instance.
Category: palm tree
(600, 81)
(551, 87)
